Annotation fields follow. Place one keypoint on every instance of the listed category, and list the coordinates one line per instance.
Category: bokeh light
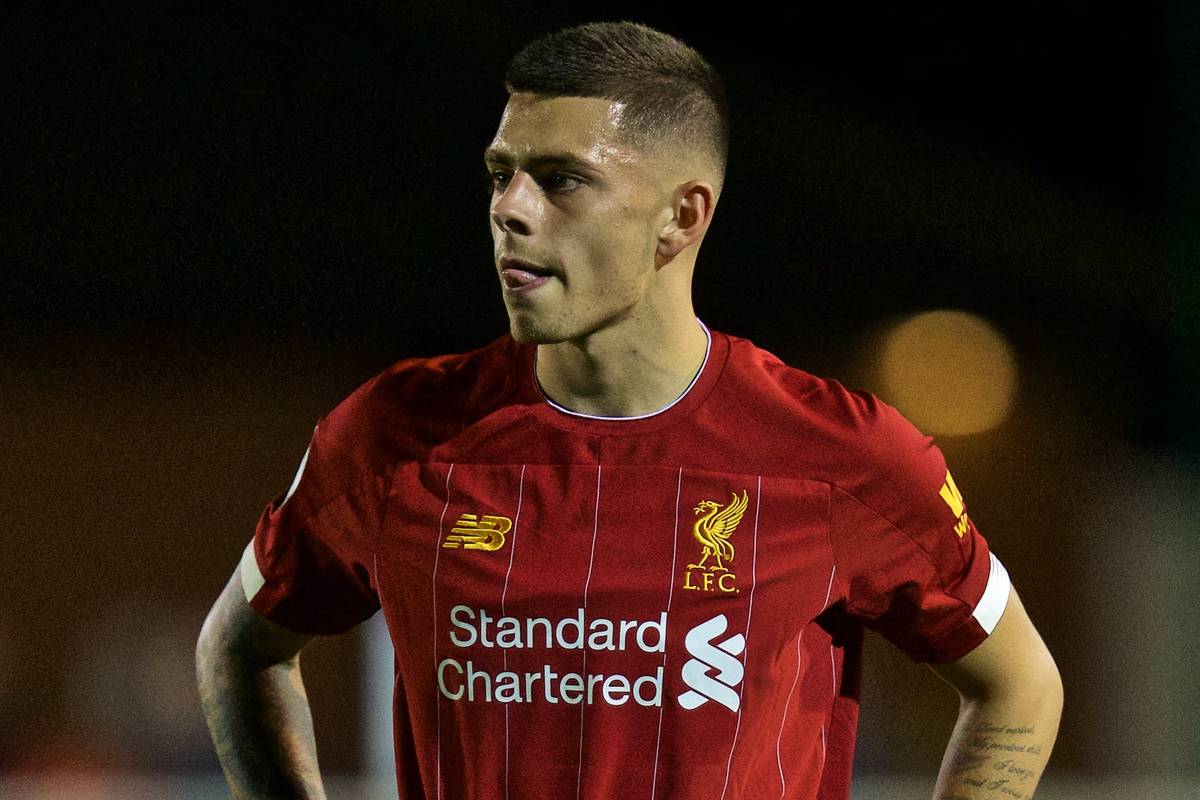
(950, 372)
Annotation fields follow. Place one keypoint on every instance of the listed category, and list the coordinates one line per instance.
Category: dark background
(219, 221)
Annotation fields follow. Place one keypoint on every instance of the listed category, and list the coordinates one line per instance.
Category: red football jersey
(663, 606)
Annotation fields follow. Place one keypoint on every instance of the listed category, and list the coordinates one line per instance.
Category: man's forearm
(261, 724)
(1000, 747)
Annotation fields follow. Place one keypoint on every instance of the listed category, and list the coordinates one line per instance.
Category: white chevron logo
(707, 657)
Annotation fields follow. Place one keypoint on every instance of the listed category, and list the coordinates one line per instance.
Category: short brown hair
(670, 92)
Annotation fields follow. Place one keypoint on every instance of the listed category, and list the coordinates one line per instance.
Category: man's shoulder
(820, 416)
(767, 379)
(473, 375)
(412, 401)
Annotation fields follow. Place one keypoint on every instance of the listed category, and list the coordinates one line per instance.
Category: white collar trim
(696, 377)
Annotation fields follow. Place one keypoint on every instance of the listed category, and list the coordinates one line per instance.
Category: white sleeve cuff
(252, 577)
(995, 596)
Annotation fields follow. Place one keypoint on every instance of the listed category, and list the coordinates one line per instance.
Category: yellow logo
(954, 499)
(473, 533)
(712, 531)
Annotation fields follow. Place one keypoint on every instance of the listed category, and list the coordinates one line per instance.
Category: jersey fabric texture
(665, 606)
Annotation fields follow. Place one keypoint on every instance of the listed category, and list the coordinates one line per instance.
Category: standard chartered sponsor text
(472, 682)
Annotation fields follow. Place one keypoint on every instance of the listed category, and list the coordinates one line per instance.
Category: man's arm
(248, 671)
(1010, 702)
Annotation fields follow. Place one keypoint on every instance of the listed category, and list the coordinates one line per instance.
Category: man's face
(580, 207)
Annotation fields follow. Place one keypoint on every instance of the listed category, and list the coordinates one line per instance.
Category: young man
(619, 553)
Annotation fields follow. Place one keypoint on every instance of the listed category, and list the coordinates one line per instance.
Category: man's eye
(554, 182)
(562, 182)
(496, 180)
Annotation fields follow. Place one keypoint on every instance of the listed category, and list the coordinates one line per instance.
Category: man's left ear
(693, 204)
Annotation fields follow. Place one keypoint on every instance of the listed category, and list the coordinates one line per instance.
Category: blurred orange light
(949, 372)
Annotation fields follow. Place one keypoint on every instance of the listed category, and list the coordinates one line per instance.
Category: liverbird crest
(713, 529)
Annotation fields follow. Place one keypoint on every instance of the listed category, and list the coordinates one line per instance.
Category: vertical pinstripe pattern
(587, 582)
(437, 551)
(832, 672)
(512, 550)
(783, 721)
(832, 698)
(746, 636)
(670, 594)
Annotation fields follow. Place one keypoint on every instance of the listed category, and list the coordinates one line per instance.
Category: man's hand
(253, 698)
(1010, 704)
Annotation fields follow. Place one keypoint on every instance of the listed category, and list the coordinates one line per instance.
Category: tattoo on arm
(997, 761)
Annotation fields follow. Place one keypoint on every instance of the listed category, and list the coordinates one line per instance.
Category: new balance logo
(707, 657)
(473, 533)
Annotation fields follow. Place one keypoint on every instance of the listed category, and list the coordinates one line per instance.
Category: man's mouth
(521, 275)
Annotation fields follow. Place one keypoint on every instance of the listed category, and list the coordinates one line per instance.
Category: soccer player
(619, 553)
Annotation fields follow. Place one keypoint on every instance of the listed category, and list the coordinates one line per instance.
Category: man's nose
(516, 209)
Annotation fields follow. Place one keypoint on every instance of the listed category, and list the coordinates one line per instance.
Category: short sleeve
(911, 562)
(309, 565)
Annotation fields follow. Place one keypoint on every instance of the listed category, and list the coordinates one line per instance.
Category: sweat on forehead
(593, 129)
(561, 128)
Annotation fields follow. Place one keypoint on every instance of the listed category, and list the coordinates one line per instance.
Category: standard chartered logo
(712, 672)
(706, 657)
(476, 628)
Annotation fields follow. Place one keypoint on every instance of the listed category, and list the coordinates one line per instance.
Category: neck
(625, 370)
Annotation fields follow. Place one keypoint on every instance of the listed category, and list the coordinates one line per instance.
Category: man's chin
(526, 332)
(532, 329)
